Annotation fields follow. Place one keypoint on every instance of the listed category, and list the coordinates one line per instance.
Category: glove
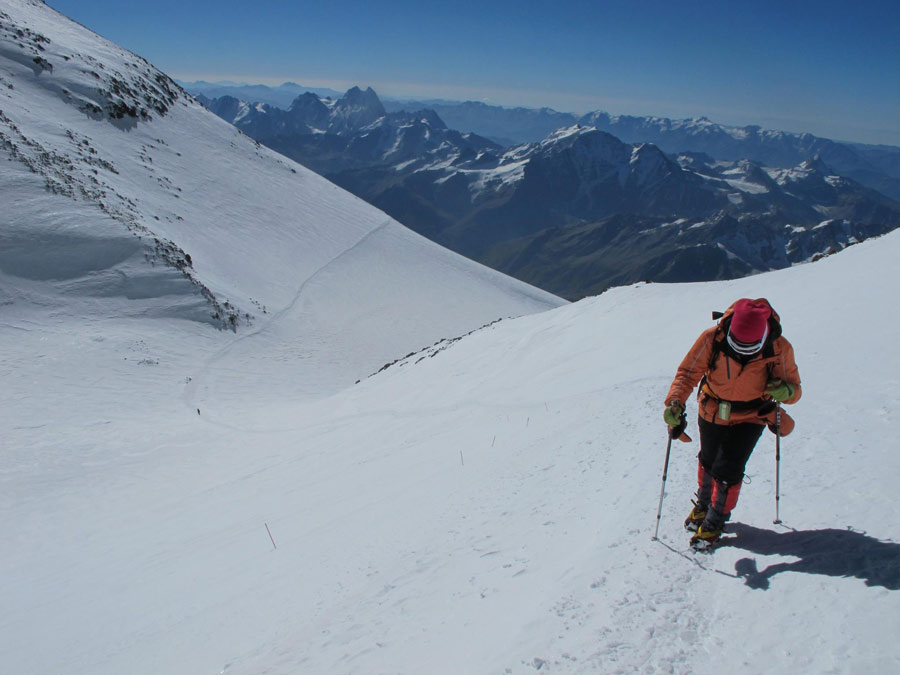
(779, 390)
(673, 414)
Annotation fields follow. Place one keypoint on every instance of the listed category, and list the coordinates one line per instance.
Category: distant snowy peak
(877, 168)
(592, 153)
(695, 126)
(310, 108)
(281, 96)
(566, 135)
(804, 193)
(354, 131)
(817, 165)
(587, 143)
(356, 110)
(812, 175)
(363, 102)
(231, 108)
(649, 165)
(307, 114)
(428, 118)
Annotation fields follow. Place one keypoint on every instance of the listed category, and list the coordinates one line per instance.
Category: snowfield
(486, 509)
(176, 497)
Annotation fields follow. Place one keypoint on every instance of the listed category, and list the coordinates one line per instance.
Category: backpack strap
(718, 339)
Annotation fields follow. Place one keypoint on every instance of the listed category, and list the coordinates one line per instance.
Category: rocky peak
(754, 172)
(357, 109)
(309, 109)
(431, 118)
(226, 107)
(816, 165)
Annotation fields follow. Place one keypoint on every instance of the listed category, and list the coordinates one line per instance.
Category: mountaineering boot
(695, 517)
(704, 538)
(701, 504)
(724, 499)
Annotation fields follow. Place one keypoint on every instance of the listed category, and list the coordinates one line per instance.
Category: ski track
(216, 360)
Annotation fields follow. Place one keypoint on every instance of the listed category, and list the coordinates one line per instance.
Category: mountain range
(281, 96)
(580, 210)
(876, 166)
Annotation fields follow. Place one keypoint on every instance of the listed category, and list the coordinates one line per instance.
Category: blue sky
(830, 68)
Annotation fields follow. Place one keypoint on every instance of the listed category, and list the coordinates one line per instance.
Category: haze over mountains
(582, 210)
(877, 166)
(281, 96)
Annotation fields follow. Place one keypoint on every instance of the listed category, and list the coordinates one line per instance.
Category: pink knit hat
(749, 325)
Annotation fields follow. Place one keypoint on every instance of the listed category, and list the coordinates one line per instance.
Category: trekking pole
(777, 520)
(662, 490)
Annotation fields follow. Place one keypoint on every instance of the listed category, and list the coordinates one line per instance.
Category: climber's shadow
(834, 553)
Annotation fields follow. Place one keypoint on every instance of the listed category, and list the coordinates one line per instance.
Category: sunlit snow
(178, 498)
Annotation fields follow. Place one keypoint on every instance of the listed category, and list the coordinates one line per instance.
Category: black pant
(724, 450)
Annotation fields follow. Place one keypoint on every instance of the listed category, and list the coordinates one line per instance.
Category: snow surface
(486, 509)
(484, 506)
(264, 234)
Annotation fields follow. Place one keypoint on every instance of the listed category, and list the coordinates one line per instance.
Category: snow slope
(488, 509)
(164, 210)
(485, 506)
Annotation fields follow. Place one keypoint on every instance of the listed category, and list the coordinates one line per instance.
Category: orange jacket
(741, 384)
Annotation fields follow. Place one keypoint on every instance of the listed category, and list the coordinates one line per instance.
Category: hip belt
(761, 405)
